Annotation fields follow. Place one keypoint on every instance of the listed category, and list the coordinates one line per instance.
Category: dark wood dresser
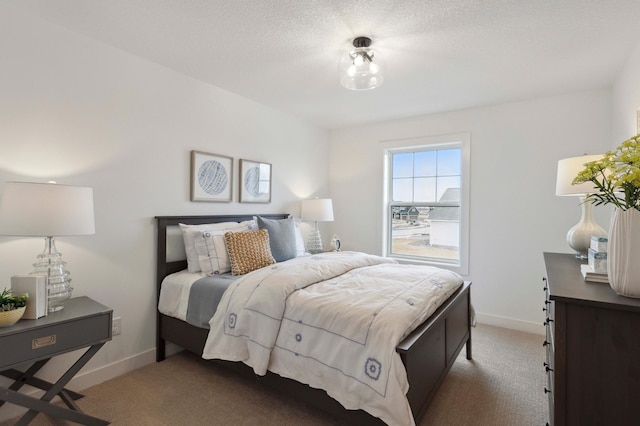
(593, 349)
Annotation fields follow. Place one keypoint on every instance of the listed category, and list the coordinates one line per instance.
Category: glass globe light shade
(361, 68)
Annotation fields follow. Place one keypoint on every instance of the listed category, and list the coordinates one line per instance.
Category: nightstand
(83, 323)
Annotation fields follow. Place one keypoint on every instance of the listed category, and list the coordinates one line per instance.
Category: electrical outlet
(116, 326)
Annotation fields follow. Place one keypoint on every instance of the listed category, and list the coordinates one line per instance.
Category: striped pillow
(191, 233)
(212, 251)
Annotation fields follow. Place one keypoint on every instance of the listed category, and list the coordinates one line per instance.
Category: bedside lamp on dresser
(579, 236)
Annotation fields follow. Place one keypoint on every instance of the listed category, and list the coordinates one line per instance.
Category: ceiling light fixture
(361, 68)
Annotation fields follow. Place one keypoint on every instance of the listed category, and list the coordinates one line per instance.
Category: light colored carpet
(502, 385)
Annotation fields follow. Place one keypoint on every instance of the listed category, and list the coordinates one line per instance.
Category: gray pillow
(282, 237)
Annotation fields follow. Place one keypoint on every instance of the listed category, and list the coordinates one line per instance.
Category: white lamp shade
(46, 210)
(568, 169)
(317, 210)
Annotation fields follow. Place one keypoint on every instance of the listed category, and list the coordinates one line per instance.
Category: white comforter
(331, 321)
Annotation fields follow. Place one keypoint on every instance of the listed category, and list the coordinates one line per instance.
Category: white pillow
(300, 251)
(212, 250)
(191, 232)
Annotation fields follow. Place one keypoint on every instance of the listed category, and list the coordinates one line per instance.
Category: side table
(83, 323)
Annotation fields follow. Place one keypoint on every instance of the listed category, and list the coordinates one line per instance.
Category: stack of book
(596, 277)
(596, 269)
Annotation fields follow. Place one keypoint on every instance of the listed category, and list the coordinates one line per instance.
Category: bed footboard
(429, 352)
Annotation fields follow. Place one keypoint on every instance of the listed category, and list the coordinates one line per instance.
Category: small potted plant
(11, 307)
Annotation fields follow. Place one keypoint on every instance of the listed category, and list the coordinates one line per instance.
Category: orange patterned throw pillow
(248, 251)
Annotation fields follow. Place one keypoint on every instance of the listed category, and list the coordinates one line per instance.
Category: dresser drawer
(549, 343)
(43, 342)
(549, 367)
(550, 388)
(549, 317)
(549, 323)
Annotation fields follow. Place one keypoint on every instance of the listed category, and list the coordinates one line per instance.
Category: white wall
(514, 213)
(86, 114)
(626, 100)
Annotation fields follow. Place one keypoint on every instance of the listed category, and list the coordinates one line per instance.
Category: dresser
(593, 348)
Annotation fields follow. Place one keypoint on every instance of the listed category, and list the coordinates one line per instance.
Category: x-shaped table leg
(43, 404)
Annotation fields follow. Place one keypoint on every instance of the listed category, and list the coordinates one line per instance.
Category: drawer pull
(546, 343)
(547, 321)
(546, 390)
(546, 367)
(41, 342)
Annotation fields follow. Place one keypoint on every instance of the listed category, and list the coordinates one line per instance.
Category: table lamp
(48, 210)
(579, 236)
(316, 210)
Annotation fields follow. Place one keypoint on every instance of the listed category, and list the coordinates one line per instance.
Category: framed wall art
(255, 182)
(211, 177)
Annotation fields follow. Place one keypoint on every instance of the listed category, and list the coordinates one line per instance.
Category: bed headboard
(171, 256)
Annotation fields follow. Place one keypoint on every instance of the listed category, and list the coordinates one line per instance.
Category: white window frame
(459, 140)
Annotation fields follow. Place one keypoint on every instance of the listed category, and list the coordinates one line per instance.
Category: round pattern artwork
(212, 177)
(252, 181)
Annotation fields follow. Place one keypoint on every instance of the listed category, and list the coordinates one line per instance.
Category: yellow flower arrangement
(616, 176)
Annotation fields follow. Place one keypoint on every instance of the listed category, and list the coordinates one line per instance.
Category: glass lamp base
(50, 263)
(314, 243)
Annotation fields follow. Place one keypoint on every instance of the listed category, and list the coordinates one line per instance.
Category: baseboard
(103, 373)
(510, 323)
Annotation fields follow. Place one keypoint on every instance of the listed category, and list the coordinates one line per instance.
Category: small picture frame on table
(255, 182)
(211, 177)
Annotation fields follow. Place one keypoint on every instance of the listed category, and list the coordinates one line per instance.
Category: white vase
(623, 259)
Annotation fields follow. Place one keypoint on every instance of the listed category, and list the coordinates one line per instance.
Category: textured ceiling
(441, 55)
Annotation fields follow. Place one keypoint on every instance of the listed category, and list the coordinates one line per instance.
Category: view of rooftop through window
(425, 204)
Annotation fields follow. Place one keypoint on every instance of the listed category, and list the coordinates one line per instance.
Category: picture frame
(211, 177)
(255, 182)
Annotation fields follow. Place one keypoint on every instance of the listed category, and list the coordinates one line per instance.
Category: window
(426, 201)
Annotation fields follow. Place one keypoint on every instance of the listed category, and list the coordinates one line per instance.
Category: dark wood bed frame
(427, 353)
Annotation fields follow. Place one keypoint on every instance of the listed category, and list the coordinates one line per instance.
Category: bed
(427, 353)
